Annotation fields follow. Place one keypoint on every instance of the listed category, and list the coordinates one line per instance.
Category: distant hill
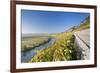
(85, 24)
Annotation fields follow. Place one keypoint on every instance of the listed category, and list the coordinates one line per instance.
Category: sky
(34, 21)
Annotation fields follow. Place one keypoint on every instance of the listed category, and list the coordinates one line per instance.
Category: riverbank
(31, 41)
(26, 56)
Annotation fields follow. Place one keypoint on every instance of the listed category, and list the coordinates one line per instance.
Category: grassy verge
(62, 50)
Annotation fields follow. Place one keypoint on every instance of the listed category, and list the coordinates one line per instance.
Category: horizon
(49, 22)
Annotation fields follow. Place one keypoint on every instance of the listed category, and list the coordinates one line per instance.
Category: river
(26, 56)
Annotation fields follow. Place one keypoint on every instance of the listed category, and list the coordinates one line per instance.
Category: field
(31, 42)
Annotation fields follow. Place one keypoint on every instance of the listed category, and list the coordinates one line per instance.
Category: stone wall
(82, 50)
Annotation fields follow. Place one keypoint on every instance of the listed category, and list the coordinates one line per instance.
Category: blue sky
(49, 21)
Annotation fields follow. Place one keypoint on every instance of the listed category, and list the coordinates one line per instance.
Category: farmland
(33, 41)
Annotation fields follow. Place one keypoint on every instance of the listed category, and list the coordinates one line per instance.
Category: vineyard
(62, 50)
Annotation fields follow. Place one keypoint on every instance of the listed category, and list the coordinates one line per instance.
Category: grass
(32, 42)
(62, 50)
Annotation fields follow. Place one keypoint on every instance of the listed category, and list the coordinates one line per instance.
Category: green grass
(62, 50)
(32, 42)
